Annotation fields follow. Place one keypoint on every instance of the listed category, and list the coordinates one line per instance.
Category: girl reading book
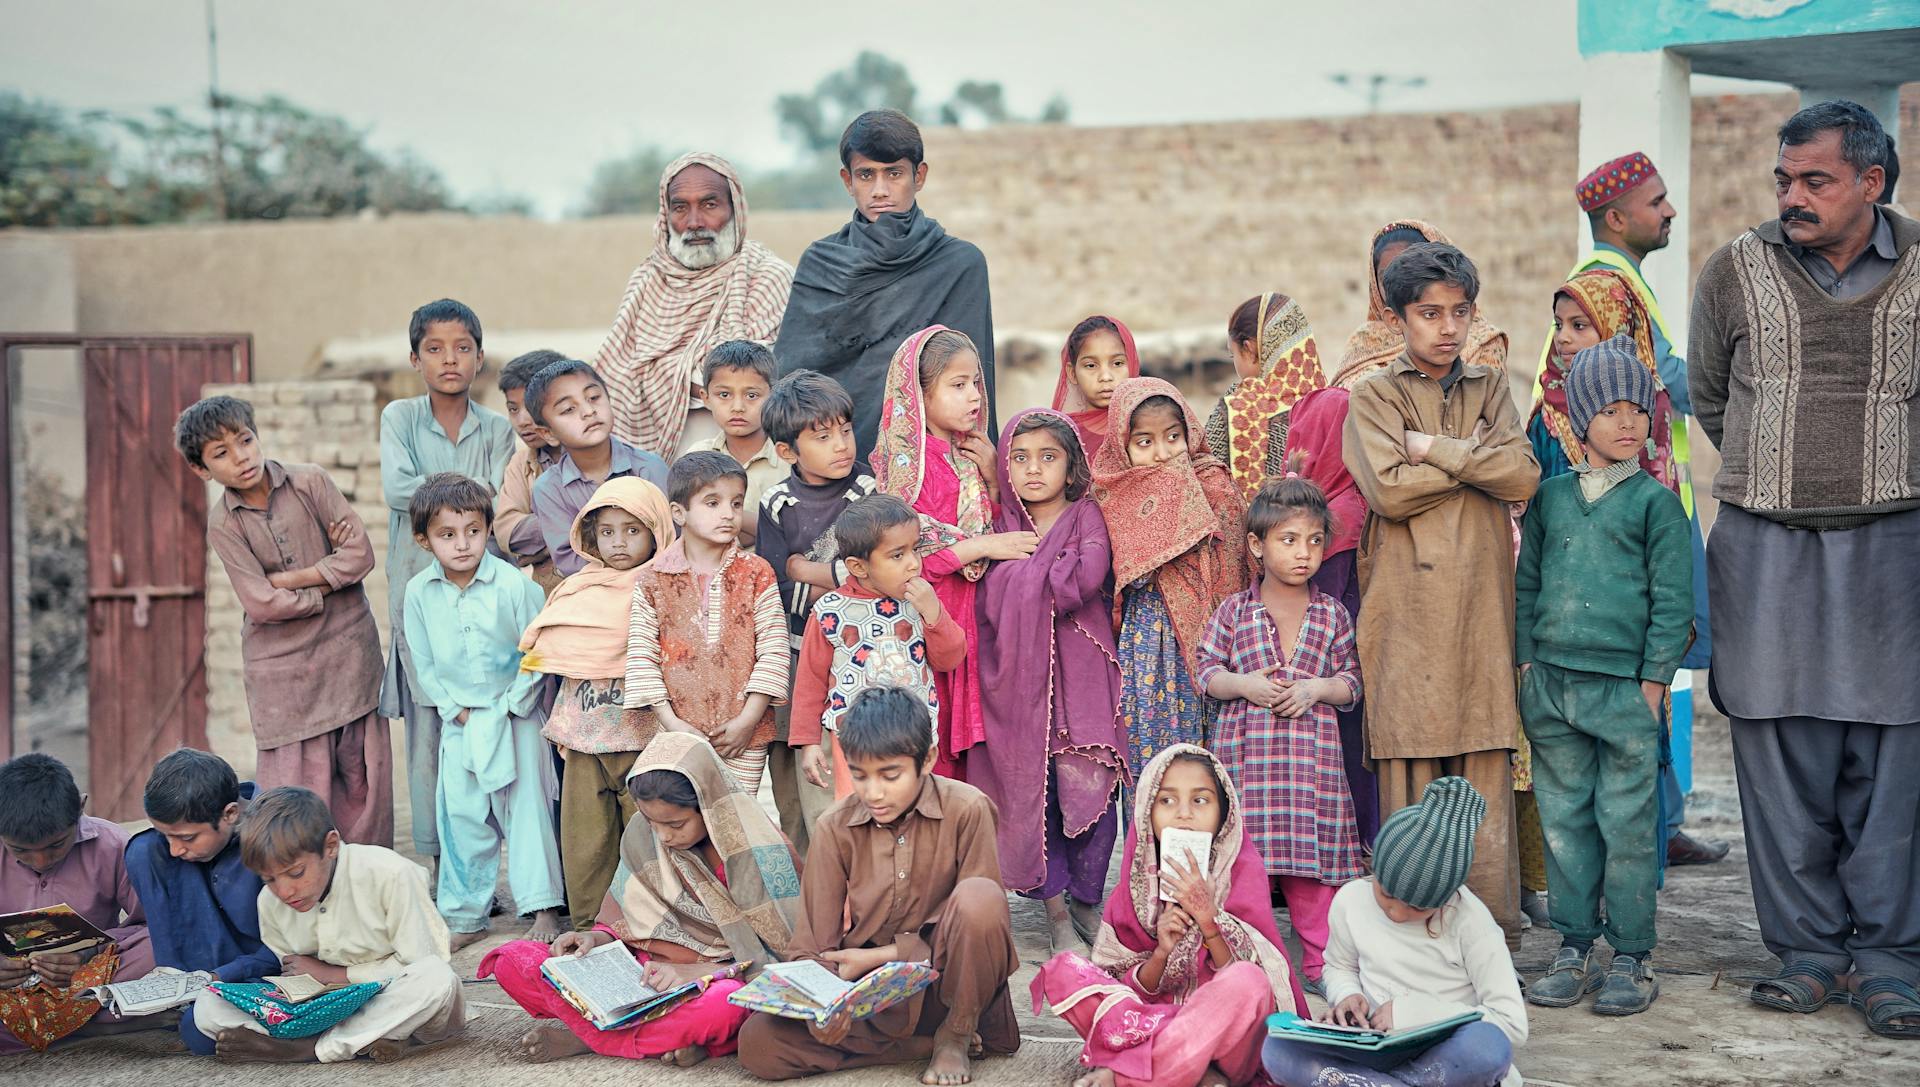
(1177, 992)
(709, 881)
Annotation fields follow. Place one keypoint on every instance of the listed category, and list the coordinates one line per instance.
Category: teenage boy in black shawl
(887, 274)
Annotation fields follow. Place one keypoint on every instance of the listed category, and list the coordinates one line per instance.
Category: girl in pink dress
(933, 453)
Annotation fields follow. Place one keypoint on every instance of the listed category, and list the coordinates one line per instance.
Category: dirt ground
(1703, 1031)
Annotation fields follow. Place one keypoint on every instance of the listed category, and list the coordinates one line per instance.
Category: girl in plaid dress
(1280, 659)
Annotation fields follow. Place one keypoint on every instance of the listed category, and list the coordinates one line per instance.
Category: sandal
(1882, 1000)
(1803, 987)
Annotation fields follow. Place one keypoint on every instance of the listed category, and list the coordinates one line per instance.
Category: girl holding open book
(1188, 963)
(708, 881)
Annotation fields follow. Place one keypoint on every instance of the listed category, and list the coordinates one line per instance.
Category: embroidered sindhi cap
(1612, 180)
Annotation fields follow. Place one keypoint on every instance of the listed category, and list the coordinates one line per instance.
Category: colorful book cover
(886, 986)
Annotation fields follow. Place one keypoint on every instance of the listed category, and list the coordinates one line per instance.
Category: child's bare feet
(950, 1065)
(1213, 1077)
(242, 1046)
(389, 1050)
(1099, 1077)
(548, 1042)
(686, 1056)
(460, 940)
(546, 926)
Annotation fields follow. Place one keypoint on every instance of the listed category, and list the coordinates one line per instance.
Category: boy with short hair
(706, 641)
(442, 431)
(1594, 678)
(1435, 445)
(882, 627)
(56, 854)
(905, 869)
(202, 902)
(569, 399)
(342, 914)
(465, 614)
(514, 528)
(297, 555)
(809, 419)
(738, 377)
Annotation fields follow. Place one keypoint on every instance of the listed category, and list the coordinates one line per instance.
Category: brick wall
(329, 423)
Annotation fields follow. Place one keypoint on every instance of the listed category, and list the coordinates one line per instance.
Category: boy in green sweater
(1603, 608)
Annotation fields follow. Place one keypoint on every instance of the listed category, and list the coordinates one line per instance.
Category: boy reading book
(904, 869)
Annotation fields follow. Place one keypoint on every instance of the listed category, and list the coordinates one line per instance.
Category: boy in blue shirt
(202, 903)
(464, 616)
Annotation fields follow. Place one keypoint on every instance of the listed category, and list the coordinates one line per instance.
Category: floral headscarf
(1289, 368)
(899, 457)
(1611, 303)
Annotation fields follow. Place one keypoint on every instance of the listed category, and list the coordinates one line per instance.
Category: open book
(1194, 847)
(808, 990)
(50, 930)
(300, 988)
(1380, 1049)
(608, 987)
(164, 988)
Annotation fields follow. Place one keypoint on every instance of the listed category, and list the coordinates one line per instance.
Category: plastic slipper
(1896, 1000)
(1798, 988)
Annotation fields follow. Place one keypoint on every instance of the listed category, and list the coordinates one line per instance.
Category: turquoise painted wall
(1635, 26)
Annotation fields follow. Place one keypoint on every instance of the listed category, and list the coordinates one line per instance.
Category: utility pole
(214, 104)
(1370, 85)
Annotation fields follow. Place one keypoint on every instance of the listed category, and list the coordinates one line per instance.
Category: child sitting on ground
(1280, 658)
(883, 627)
(1594, 679)
(686, 910)
(809, 419)
(57, 855)
(202, 902)
(933, 453)
(1180, 986)
(1179, 532)
(465, 614)
(707, 644)
(581, 637)
(569, 399)
(514, 528)
(1412, 946)
(902, 870)
(296, 554)
(341, 914)
(1056, 751)
(738, 378)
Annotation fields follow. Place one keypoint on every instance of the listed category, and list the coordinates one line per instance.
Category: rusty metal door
(146, 556)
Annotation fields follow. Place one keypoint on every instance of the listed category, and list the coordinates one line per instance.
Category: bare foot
(1099, 1077)
(239, 1045)
(465, 939)
(546, 926)
(1065, 936)
(686, 1056)
(388, 1050)
(1213, 1077)
(949, 1066)
(548, 1042)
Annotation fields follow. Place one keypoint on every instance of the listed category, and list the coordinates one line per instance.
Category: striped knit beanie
(1608, 371)
(1422, 853)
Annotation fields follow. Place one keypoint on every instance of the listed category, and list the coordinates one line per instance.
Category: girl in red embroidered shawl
(933, 453)
(1053, 773)
(1098, 356)
(1177, 992)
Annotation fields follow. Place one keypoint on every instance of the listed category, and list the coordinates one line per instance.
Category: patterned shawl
(1289, 368)
(671, 894)
(899, 457)
(1375, 344)
(672, 316)
(1183, 522)
(1318, 420)
(1090, 421)
(1611, 303)
(582, 632)
(1128, 932)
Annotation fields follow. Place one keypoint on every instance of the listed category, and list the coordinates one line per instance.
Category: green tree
(629, 185)
(54, 171)
(815, 120)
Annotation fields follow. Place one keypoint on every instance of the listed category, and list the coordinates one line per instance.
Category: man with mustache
(702, 285)
(1806, 373)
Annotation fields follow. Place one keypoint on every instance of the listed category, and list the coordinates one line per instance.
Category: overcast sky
(505, 96)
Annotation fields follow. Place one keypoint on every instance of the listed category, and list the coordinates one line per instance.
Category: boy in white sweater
(1410, 946)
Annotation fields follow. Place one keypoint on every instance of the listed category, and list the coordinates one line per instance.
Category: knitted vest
(707, 645)
(1823, 404)
(876, 643)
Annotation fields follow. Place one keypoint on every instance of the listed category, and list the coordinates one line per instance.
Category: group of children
(967, 671)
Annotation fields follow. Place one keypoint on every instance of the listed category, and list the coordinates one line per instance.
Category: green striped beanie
(1422, 853)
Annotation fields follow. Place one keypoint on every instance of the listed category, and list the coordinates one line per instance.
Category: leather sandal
(1803, 987)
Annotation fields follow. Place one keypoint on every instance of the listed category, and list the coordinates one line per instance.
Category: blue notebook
(1376, 1049)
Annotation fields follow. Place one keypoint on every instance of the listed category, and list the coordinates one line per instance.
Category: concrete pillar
(1644, 102)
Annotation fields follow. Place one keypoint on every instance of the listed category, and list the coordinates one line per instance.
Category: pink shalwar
(707, 1020)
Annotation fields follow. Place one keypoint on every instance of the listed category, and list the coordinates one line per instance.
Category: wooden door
(146, 557)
